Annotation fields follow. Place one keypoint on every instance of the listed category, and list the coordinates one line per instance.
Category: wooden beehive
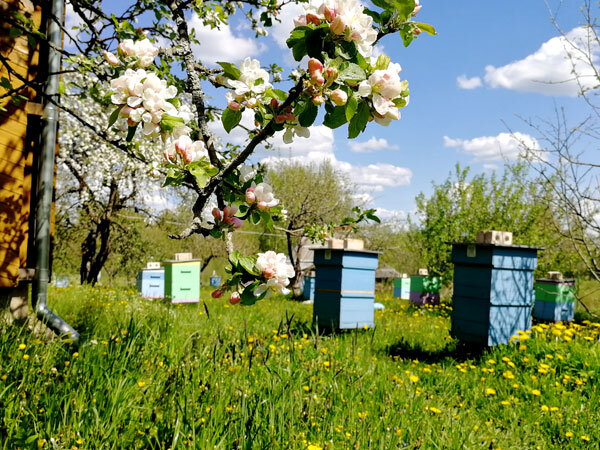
(182, 280)
(344, 288)
(402, 288)
(424, 290)
(493, 292)
(19, 146)
(308, 288)
(151, 282)
(554, 299)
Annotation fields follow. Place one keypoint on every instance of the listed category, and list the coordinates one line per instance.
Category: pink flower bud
(187, 156)
(217, 294)
(251, 103)
(180, 147)
(300, 21)
(313, 65)
(417, 7)
(111, 58)
(236, 222)
(268, 273)
(329, 13)
(216, 213)
(235, 106)
(274, 103)
(131, 122)
(317, 78)
(312, 18)
(338, 26)
(169, 155)
(263, 206)
(417, 31)
(281, 118)
(229, 211)
(250, 196)
(318, 100)
(234, 298)
(331, 73)
(339, 97)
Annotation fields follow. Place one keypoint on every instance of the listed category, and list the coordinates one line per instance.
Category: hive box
(151, 281)
(402, 288)
(424, 290)
(554, 300)
(308, 288)
(182, 281)
(493, 292)
(344, 288)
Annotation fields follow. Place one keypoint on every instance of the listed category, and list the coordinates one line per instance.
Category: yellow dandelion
(306, 388)
(75, 355)
(363, 415)
(545, 408)
(141, 384)
(414, 378)
(585, 438)
(536, 392)
(22, 347)
(508, 375)
(327, 364)
(505, 403)
(25, 357)
(435, 410)
(490, 391)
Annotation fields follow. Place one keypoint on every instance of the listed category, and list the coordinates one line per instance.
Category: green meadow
(153, 375)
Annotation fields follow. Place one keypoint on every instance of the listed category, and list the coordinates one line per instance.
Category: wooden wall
(20, 128)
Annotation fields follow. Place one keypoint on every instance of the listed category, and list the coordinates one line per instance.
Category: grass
(153, 375)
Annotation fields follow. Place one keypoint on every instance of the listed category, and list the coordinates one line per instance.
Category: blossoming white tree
(341, 75)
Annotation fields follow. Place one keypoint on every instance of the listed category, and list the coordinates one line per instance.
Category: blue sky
(468, 84)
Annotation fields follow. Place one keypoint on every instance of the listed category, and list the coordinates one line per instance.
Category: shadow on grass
(454, 351)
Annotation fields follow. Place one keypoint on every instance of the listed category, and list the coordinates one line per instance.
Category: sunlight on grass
(153, 375)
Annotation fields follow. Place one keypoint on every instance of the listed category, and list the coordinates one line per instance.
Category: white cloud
(468, 83)
(221, 44)
(490, 166)
(372, 145)
(549, 70)
(390, 215)
(280, 31)
(505, 146)
(72, 19)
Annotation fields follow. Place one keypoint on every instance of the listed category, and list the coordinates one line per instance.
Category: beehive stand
(554, 300)
(344, 288)
(493, 291)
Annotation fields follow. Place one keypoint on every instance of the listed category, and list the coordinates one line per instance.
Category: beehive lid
(569, 281)
(373, 252)
(496, 245)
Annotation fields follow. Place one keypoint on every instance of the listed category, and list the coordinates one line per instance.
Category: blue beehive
(308, 288)
(151, 281)
(344, 288)
(493, 291)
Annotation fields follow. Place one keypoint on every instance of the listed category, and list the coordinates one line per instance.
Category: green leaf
(130, 133)
(234, 257)
(15, 32)
(426, 28)
(359, 121)
(298, 34)
(376, 17)
(168, 123)
(299, 50)
(308, 116)
(229, 70)
(249, 265)
(277, 94)
(199, 174)
(114, 115)
(255, 217)
(399, 102)
(352, 72)
(231, 119)
(336, 118)
(62, 88)
(351, 107)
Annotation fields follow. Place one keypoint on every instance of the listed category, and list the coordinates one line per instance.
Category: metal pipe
(43, 210)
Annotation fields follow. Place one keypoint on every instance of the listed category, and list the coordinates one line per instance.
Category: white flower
(264, 195)
(253, 79)
(247, 173)
(290, 132)
(276, 271)
(189, 150)
(143, 50)
(384, 86)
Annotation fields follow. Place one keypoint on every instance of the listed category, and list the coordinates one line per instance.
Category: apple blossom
(264, 193)
(216, 212)
(314, 65)
(318, 100)
(250, 196)
(295, 130)
(253, 79)
(111, 58)
(338, 97)
(418, 7)
(276, 270)
(218, 293)
(234, 105)
(143, 50)
(247, 172)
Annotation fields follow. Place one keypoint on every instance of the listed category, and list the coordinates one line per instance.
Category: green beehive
(182, 279)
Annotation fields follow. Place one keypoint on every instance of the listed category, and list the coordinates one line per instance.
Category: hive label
(471, 251)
